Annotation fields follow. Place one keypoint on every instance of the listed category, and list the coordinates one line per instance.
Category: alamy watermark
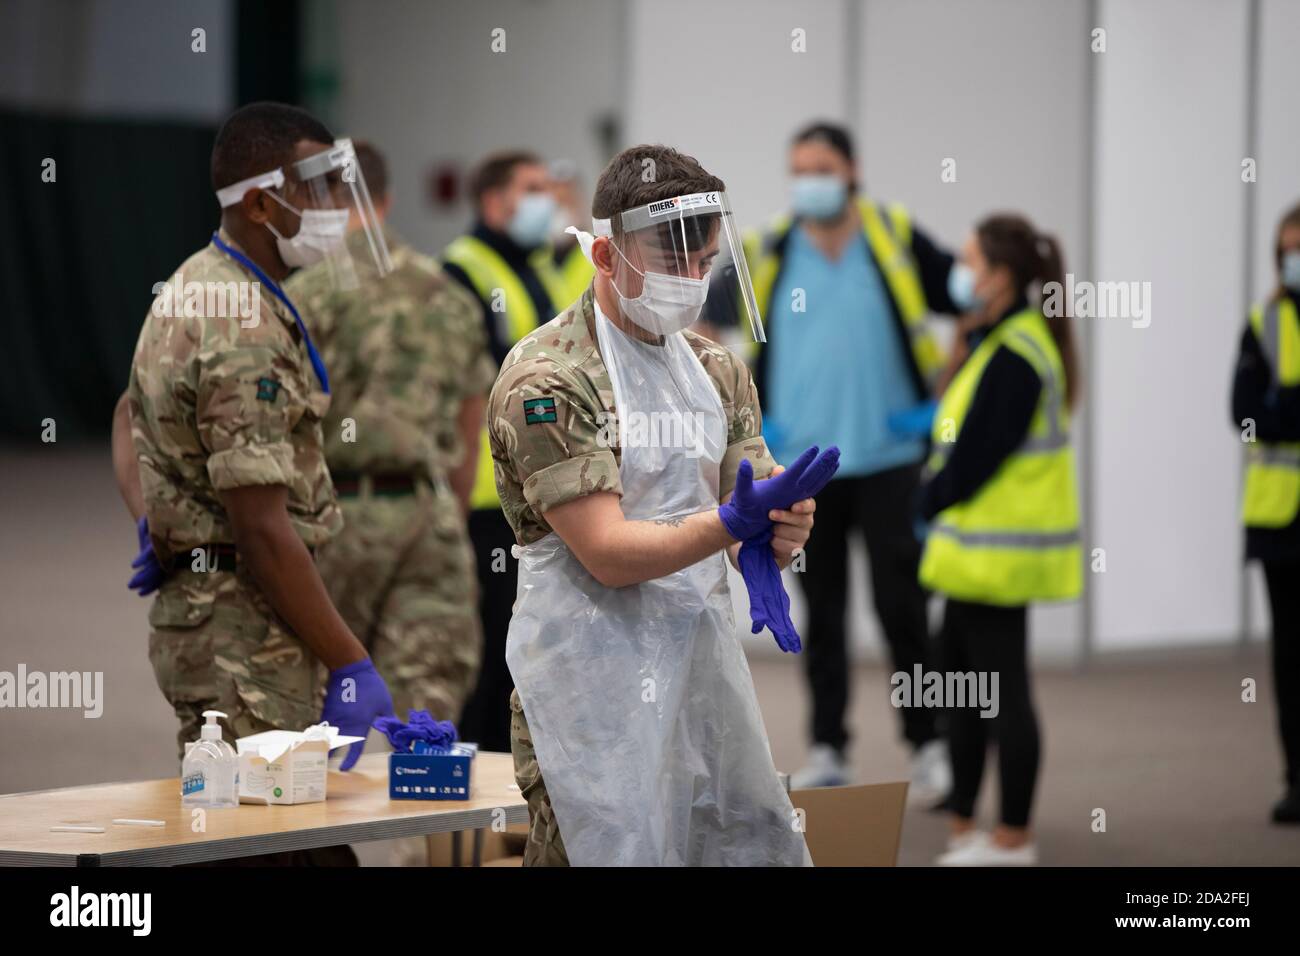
(56, 690)
(946, 689)
(653, 430)
(74, 908)
(178, 299)
(1099, 300)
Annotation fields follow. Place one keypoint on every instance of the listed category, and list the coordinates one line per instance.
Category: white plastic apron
(639, 699)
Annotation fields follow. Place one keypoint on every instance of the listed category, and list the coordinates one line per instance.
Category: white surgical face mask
(818, 197)
(1291, 270)
(531, 222)
(961, 288)
(667, 304)
(321, 231)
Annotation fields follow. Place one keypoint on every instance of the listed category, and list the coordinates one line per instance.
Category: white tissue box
(286, 766)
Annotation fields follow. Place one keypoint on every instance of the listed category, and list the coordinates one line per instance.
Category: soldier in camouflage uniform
(560, 361)
(407, 356)
(221, 402)
(556, 451)
(220, 408)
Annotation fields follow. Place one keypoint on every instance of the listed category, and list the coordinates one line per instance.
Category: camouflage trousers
(402, 575)
(215, 644)
(545, 846)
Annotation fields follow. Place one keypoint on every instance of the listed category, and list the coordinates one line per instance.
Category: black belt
(348, 483)
(218, 557)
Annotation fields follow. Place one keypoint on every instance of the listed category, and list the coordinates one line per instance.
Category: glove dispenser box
(431, 773)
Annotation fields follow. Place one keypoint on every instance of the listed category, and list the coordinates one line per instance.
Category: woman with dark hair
(1266, 407)
(1002, 514)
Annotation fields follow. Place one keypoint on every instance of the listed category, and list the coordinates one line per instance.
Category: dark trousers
(486, 719)
(987, 639)
(880, 506)
(1283, 579)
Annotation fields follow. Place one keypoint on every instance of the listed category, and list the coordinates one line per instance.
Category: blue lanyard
(316, 362)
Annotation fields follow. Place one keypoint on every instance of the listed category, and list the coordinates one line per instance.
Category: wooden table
(357, 810)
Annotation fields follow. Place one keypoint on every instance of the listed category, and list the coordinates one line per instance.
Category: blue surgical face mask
(961, 287)
(1291, 270)
(531, 223)
(818, 197)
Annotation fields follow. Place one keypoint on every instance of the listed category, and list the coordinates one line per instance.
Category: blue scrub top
(837, 370)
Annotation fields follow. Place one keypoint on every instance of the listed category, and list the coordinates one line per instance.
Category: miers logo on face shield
(693, 201)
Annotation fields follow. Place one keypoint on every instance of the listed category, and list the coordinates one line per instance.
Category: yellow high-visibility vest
(1017, 539)
(889, 237)
(1271, 496)
(574, 274)
(505, 293)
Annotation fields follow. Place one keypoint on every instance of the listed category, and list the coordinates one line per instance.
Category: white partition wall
(425, 82)
(1171, 128)
(729, 80)
(999, 86)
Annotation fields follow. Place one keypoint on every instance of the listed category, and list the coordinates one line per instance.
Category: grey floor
(1184, 770)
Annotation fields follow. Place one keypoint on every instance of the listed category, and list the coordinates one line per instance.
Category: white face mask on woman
(667, 304)
(321, 231)
(1291, 270)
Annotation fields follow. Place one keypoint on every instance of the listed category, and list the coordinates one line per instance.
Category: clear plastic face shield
(339, 222)
(327, 193)
(680, 260)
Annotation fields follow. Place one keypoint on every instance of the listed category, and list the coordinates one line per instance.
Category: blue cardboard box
(428, 773)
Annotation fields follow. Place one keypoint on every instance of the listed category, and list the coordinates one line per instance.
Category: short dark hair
(260, 137)
(374, 167)
(624, 183)
(496, 169)
(833, 135)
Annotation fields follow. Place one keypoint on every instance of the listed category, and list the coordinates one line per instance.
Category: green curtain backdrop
(79, 257)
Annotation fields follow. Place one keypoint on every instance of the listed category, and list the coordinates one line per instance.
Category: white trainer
(931, 773)
(825, 768)
(958, 840)
(982, 851)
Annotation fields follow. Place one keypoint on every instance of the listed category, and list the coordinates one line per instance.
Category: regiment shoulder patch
(268, 388)
(539, 411)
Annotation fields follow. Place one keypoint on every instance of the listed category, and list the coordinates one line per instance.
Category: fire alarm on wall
(444, 185)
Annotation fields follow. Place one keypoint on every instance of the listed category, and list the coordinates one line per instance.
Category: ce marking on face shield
(682, 203)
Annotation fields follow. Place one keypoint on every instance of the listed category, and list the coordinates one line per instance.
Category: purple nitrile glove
(148, 575)
(354, 697)
(769, 605)
(420, 725)
(746, 514)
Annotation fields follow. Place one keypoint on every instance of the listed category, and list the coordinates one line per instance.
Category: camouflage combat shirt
(223, 395)
(549, 415)
(403, 351)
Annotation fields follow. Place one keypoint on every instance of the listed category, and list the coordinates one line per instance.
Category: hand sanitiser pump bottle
(210, 770)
